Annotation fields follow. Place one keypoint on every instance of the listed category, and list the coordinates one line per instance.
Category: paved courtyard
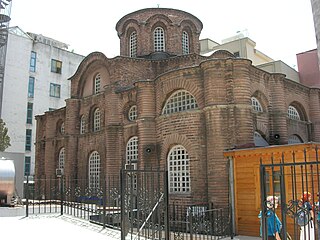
(14, 225)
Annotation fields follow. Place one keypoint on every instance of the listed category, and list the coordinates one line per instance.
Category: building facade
(163, 105)
(316, 19)
(35, 81)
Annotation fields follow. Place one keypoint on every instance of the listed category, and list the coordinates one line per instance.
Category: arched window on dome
(256, 106)
(185, 43)
(97, 84)
(179, 170)
(259, 141)
(132, 113)
(293, 113)
(133, 44)
(94, 170)
(158, 40)
(180, 101)
(96, 120)
(61, 159)
(294, 139)
(82, 125)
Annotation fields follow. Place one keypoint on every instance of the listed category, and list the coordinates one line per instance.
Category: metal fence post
(27, 197)
(166, 202)
(263, 205)
(61, 195)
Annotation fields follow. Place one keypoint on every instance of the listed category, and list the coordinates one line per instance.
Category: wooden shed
(298, 164)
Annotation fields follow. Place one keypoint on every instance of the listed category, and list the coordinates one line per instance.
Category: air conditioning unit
(59, 172)
(130, 166)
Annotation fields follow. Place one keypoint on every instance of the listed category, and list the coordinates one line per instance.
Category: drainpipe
(231, 191)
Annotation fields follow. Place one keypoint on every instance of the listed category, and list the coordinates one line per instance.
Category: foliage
(4, 138)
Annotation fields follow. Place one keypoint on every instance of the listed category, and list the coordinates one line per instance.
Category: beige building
(244, 47)
(316, 18)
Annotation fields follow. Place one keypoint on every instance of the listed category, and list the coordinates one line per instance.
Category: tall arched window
(96, 120)
(293, 113)
(97, 84)
(185, 43)
(62, 128)
(132, 114)
(61, 160)
(158, 40)
(94, 170)
(82, 125)
(256, 106)
(179, 170)
(179, 101)
(132, 150)
(133, 44)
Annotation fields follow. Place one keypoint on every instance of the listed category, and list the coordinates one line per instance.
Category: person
(307, 231)
(273, 222)
(318, 215)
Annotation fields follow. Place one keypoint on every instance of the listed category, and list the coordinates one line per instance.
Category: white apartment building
(37, 69)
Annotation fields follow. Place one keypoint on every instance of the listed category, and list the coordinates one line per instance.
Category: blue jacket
(274, 224)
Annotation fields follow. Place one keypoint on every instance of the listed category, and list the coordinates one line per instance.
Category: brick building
(161, 104)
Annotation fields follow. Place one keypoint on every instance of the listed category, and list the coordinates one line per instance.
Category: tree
(4, 138)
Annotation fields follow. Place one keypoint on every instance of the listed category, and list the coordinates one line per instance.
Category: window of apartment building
(158, 40)
(94, 170)
(179, 170)
(56, 66)
(179, 101)
(28, 139)
(82, 125)
(132, 150)
(97, 84)
(31, 87)
(96, 120)
(132, 114)
(29, 112)
(61, 159)
(55, 90)
(133, 44)
(27, 165)
(33, 60)
(256, 106)
(185, 43)
(293, 113)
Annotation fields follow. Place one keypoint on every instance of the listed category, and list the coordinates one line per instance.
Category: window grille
(293, 113)
(256, 106)
(82, 125)
(185, 43)
(133, 44)
(294, 139)
(132, 115)
(62, 128)
(94, 170)
(61, 159)
(132, 150)
(180, 101)
(97, 84)
(159, 42)
(96, 120)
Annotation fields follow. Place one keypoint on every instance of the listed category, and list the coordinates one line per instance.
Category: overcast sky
(280, 28)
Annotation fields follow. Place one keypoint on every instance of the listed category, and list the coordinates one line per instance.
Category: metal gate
(292, 181)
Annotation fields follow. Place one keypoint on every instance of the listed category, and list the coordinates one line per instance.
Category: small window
(96, 120)
(132, 115)
(55, 90)
(293, 113)
(56, 66)
(273, 182)
(27, 165)
(185, 43)
(256, 106)
(29, 112)
(31, 87)
(82, 125)
(159, 42)
(133, 44)
(61, 159)
(180, 101)
(97, 84)
(33, 60)
(62, 128)
(28, 139)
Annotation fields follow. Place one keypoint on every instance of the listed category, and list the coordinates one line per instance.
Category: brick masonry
(221, 84)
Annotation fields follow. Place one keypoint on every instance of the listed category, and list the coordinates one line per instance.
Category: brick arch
(166, 35)
(130, 22)
(157, 18)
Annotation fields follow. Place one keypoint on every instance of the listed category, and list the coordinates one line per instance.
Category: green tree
(4, 138)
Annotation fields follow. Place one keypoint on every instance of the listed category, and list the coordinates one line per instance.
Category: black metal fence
(136, 202)
(295, 184)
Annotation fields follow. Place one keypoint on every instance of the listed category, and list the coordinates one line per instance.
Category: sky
(280, 28)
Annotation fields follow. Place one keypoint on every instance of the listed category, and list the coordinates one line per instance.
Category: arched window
(82, 125)
(179, 170)
(133, 44)
(96, 120)
(185, 43)
(97, 84)
(132, 114)
(293, 113)
(259, 141)
(294, 139)
(179, 101)
(256, 106)
(61, 160)
(62, 128)
(94, 170)
(158, 40)
(132, 150)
